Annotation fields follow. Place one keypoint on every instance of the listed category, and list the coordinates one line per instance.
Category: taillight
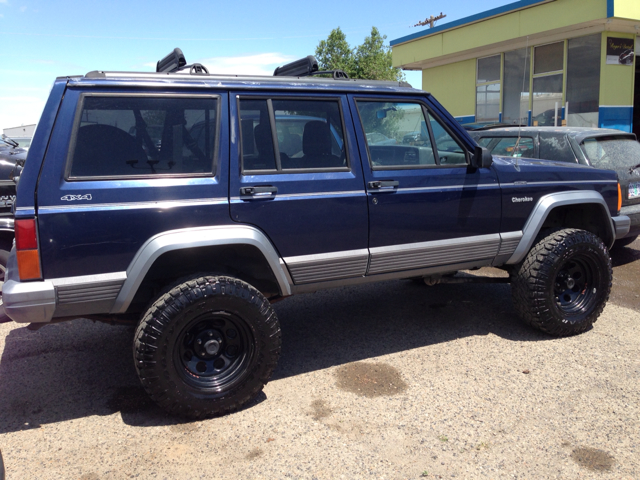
(27, 250)
(619, 198)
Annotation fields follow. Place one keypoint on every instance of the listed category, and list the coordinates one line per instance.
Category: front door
(427, 206)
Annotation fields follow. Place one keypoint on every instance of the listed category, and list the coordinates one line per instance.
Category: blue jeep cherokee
(186, 203)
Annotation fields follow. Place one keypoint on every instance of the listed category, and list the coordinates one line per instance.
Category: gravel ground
(393, 380)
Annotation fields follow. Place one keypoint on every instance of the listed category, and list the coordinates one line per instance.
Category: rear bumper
(27, 302)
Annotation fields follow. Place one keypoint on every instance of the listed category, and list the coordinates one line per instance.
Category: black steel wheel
(207, 347)
(564, 282)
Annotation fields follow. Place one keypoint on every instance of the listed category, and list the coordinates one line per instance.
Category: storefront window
(516, 86)
(488, 89)
(548, 78)
(549, 58)
(583, 81)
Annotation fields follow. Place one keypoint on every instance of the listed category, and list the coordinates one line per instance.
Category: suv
(597, 147)
(192, 225)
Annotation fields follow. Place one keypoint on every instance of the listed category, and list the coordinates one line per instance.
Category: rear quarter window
(556, 147)
(128, 136)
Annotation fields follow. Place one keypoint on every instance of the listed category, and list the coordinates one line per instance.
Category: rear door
(133, 165)
(427, 207)
(295, 173)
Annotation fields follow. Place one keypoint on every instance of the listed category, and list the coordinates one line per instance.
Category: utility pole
(430, 20)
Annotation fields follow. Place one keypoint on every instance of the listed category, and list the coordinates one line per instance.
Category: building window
(548, 77)
(488, 89)
(515, 96)
(583, 81)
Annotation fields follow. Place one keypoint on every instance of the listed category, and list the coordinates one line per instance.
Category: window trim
(425, 109)
(78, 118)
(274, 135)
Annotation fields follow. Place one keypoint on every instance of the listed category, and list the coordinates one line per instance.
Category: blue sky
(41, 40)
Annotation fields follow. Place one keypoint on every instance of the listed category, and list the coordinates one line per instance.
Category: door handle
(263, 191)
(383, 184)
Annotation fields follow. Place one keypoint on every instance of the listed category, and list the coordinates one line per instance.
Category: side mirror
(482, 158)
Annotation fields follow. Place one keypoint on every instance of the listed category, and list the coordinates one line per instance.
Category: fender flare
(545, 205)
(193, 238)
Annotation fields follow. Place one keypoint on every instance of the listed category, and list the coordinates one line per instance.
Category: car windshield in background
(23, 142)
(612, 152)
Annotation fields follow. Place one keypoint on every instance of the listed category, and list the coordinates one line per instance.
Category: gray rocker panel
(427, 254)
(327, 266)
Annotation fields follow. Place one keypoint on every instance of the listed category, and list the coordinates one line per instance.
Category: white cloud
(23, 9)
(259, 64)
(6, 2)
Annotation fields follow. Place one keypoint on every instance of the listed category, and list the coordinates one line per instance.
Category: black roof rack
(306, 67)
(175, 62)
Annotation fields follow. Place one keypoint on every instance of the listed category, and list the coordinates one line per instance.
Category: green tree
(334, 53)
(371, 60)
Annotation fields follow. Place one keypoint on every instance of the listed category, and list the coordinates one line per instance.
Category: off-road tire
(564, 282)
(242, 340)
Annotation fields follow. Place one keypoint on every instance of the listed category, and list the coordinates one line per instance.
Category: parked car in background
(376, 138)
(597, 147)
(12, 142)
(12, 158)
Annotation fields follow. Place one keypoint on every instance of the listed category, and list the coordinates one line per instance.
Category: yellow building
(535, 62)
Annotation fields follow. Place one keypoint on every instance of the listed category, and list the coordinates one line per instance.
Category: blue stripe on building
(466, 119)
(620, 118)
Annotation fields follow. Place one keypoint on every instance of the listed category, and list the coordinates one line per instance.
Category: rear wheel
(207, 347)
(564, 282)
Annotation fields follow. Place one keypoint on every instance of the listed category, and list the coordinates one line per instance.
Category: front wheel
(564, 282)
(207, 347)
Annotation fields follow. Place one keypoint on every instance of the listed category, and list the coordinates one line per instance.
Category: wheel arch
(213, 243)
(583, 209)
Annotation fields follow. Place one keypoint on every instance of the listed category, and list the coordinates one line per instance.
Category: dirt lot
(393, 380)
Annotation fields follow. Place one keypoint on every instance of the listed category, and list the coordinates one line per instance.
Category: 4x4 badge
(71, 198)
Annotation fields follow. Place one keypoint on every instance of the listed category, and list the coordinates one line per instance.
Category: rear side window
(556, 147)
(279, 135)
(125, 136)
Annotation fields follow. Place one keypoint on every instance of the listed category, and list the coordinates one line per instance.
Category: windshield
(8, 142)
(612, 153)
